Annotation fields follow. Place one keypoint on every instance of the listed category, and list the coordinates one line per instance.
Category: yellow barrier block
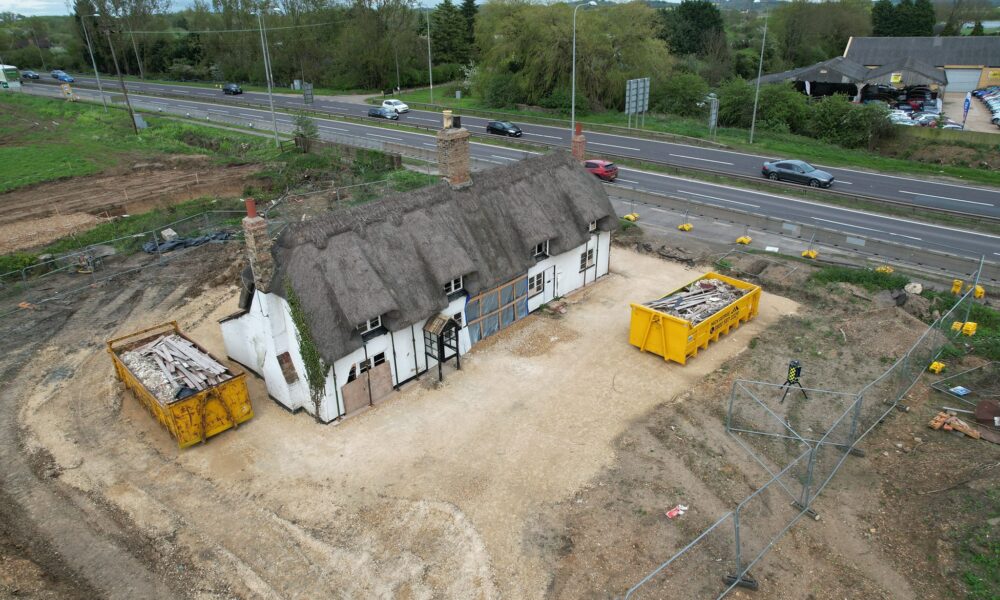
(979, 292)
(809, 254)
(956, 326)
(969, 328)
(744, 239)
(936, 367)
(956, 286)
(884, 269)
(685, 227)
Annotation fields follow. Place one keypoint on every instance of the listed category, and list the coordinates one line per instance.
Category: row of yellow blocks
(958, 284)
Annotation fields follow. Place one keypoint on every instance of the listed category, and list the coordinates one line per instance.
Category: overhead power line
(253, 29)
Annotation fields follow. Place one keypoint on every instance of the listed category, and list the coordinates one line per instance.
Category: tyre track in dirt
(59, 526)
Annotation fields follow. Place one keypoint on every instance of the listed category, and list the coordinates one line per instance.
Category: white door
(963, 80)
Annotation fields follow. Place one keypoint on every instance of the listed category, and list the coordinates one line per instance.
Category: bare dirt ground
(39, 214)
(542, 469)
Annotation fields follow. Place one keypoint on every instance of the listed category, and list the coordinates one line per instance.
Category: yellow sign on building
(896, 78)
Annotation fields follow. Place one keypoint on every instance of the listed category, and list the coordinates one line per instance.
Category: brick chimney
(579, 145)
(453, 152)
(258, 247)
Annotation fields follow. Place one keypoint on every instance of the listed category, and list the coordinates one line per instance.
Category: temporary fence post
(156, 243)
(204, 221)
(729, 413)
(854, 420)
(972, 292)
(736, 536)
(807, 485)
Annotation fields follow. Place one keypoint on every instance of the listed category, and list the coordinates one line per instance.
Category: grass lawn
(765, 142)
(43, 139)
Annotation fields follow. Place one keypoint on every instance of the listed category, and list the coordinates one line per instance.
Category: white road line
(841, 181)
(715, 198)
(848, 225)
(504, 157)
(613, 146)
(945, 198)
(422, 119)
(556, 137)
(721, 162)
(626, 180)
(395, 139)
(431, 145)
(334, 128)
(909, 237)
(812, 203)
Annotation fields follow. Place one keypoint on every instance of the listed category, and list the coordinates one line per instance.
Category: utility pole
(760, 67)
(138, 61)
(267, 75)
(100, 88)
(572, 102)
(430, 69)
(121, 80)
(41, 56)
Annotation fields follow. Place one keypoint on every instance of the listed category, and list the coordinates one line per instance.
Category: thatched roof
(392, 258)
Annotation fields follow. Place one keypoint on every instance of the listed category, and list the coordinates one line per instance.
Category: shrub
(682, 94)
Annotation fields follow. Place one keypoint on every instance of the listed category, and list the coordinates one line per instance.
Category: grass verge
(47, 140)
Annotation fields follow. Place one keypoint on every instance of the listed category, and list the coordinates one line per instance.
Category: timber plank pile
(698, 301)
(171, 363)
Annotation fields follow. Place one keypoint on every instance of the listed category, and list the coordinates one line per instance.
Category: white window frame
(371, 362)
(541, 249)
(586, 259)
(370, 325)
(592, 227)
(455, 285)
(458, 318)
(534, 290)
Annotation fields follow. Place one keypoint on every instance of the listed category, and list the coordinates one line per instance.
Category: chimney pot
(251, 207)
(579, 129)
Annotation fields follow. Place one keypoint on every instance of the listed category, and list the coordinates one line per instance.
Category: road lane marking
(811, 203)
(945, 198)
(716, 198)
(613, 146)
(721, 162)
(333, 128)
(504, 157)
(842, 181)
(848, 225)
(627, 180)
(431, 145)
(395, 139)
(409, 118)
(555, 137)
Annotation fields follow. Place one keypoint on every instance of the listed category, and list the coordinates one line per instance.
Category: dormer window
(370, 325)
(592, 227)
(455, 285)
(541, 250)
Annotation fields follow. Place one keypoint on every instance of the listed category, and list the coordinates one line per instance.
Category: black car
(798, 171)
(382, 113)
(503, 128)
(232, 89)
(30, 75)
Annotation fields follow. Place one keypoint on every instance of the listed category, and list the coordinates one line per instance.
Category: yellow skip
(744, 239)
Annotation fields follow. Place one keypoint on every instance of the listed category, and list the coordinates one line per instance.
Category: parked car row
(990, 97)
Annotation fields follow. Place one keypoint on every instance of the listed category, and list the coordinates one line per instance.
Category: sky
(30, 8)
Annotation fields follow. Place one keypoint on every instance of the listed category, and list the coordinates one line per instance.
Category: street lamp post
(100, 89)
(267, 75)
(572, 102)
(430, 68)
(760, 67)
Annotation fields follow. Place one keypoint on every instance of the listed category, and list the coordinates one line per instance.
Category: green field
(765, 142)
(43, 140)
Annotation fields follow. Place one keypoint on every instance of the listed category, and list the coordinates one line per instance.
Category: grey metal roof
(913, 71)
(936, 51)
(835, 70)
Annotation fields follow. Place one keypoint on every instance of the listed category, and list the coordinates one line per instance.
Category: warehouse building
(397, 288)
(968, 62)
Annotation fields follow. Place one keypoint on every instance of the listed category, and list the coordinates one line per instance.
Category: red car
(604, 169)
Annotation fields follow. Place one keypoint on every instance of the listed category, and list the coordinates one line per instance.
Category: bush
(868, 279)
(681, 95)
(836, 120)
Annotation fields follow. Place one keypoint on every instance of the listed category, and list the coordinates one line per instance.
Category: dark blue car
(62, 76)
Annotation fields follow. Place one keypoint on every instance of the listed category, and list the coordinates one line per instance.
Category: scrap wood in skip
(699, 300)
(171, 363)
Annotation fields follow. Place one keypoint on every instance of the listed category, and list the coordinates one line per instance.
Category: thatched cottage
(347, 307)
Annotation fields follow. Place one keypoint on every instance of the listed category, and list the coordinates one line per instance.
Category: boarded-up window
(287, 368)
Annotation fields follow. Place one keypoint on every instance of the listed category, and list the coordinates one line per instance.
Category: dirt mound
(40, 214)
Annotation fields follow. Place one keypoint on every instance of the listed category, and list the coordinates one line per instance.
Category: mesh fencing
(801, 451)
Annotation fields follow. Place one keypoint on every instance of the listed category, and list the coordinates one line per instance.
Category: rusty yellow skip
(678, 339)
(197, 417)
